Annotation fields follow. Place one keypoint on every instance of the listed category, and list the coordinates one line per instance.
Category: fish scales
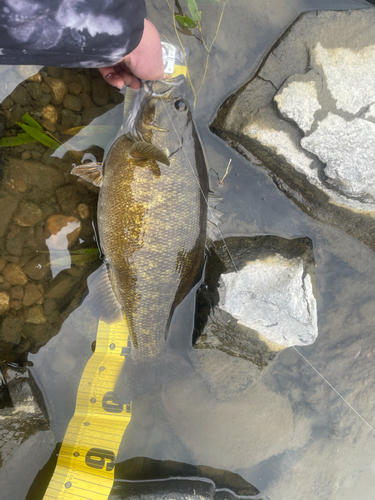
(152, 220)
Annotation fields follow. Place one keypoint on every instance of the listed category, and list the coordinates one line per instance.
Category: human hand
(145, 62)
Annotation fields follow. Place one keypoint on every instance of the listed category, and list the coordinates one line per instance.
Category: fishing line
(235, 267)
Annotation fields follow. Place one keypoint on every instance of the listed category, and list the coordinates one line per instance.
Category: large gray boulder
(309, 116)
(262, 303)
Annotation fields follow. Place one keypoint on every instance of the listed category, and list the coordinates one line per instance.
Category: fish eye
(180, 105)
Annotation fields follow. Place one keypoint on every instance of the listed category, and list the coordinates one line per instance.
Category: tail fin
(139, 376)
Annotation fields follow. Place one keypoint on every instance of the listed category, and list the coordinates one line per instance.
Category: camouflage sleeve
(69, 33)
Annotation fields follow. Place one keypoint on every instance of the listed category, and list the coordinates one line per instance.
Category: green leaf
(30, 121)
(195, 14)
(16, 141)
(40, 136)
(206, 1)
(186, 21)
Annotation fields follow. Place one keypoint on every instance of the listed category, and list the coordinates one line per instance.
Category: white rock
(273, 297)
(298, 101)
(348, 150)
(349, 74)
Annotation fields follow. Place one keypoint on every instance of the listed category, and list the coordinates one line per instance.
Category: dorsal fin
(145, 150)
(90, 172)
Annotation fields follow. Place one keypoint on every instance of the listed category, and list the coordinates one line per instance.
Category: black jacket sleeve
(69, 33)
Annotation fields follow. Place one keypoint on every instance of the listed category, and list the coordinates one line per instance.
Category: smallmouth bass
(152, 217)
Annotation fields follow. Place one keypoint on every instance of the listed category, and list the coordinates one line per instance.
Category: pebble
(21, 96)
(60, 289)
(2, 263)
(49, 306)
(69, 119)
(4, 302)
(37, 268)
(17, 292)
(35, 315)
(16, 304)
(68, 198)
(27, 214)
(83, 210)
(32, 294)
(62, 231)
(15, 245)
(86, 100)
(20, 184)
(100, 93)
(8, 205)
(58, 89)
(26, 155)
(35, 90)
(72, 102)
(84, 82)
(14, 274)
(49, 113)
(74, 88)
(11, 330)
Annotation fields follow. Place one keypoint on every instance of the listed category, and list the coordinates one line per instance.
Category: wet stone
(11, 330)
(86, 101)
(37, 334)
(58, 89)
(14, 274)
(21, 96)
(4, 302)
(27, 214)
(37, 269)
(100, 93)
(35, 173)
(72, 102)
(15, 245)
(17, 292)
(307, 117)
(35, 315)
(35, 90)
(32, 294)
(62, 231)
(8, 205)
(75, 88)
(69, 119)
(2, 263)
(264, 305)
(49, 113)
(59, 287)
(83, 81)
(16, 305)
(68, 198)
(83, 210)
(49, 306)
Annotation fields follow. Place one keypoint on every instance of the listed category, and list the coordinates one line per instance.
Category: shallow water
(305, 429)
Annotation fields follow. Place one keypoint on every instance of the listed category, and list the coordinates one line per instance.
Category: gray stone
(32, 294)
(58, 89)
(35, 315)
(320, 76)
(35, 90)
(14, 274)
(263, 304)
(69, 119)
(273, 296)
(100, 93)
(349, 169)
(8, 205)
(11, 330)
(27, 214)
(34, 173)
(37, 268)
(72, 102)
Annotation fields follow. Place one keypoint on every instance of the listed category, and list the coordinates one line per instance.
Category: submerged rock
(308, 115)
(264, 304)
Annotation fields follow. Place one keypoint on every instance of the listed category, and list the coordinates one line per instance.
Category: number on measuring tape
(96, 458)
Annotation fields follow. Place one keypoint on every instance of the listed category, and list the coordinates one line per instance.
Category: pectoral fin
(90, 172)
(144, 150)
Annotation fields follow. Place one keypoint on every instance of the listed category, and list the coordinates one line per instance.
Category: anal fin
(101, 298)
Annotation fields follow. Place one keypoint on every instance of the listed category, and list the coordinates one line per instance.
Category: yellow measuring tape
(86, 462)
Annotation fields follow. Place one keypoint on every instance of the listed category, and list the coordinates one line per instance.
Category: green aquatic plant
(33, 132)
(186, 24)
(81, 256)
